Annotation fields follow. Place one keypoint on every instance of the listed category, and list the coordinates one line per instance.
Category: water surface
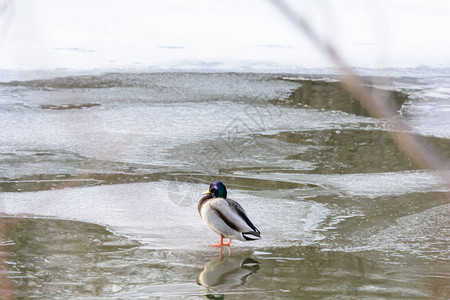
(100, 177)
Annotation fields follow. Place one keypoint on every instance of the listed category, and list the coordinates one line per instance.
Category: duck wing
(234, 216)
(241, 212)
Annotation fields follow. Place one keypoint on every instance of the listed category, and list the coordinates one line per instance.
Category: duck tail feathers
(251, 235)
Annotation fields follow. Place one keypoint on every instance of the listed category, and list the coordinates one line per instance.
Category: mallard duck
(225, 216)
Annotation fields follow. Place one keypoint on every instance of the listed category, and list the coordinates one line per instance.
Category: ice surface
(236, 35)
(161, 217)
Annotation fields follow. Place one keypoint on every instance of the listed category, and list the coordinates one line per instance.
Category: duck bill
(206, 192)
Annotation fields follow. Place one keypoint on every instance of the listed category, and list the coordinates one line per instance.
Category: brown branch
(377, 104)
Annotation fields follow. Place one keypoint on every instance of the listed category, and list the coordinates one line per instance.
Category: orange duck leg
(221, 243)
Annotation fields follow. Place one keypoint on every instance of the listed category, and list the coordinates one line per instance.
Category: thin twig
(377, 104)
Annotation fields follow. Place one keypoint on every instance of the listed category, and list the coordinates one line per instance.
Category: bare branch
(377, 104)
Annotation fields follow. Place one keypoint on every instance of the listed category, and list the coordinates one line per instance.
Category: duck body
(226, 217)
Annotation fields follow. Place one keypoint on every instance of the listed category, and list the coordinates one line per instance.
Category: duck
(225, 217)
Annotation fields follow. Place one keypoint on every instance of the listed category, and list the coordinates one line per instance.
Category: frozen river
(101, 173)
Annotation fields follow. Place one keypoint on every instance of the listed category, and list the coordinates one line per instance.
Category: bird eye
(212, 191)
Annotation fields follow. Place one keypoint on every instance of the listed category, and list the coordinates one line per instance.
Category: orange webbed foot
(221, 243)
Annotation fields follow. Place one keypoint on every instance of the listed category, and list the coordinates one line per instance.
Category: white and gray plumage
(225, 216)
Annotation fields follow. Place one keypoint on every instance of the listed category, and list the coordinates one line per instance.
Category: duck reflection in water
(224, 273)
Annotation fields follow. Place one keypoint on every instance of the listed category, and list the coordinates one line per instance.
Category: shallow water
(100, 177)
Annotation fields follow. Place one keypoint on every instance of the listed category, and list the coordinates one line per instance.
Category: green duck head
(217, 190)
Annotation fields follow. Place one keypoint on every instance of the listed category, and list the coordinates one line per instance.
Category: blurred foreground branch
(377, 103)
